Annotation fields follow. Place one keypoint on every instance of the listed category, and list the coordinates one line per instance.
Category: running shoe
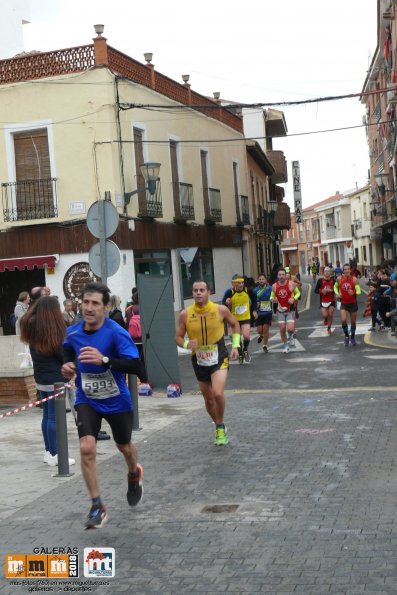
(346, 341)
(292, 342)
(329, 331)
(247, 357)
(241, 358)
(286, 348)
(260, 339)
(135, 488)
(353, 342)
(46, 456)
(221, 437)
(265, 349)
(97, 517)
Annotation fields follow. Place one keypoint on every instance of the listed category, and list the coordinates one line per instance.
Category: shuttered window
(34, 189)
(140, 180)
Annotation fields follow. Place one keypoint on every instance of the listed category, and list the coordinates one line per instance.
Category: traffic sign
(111, 257)
(102, 210)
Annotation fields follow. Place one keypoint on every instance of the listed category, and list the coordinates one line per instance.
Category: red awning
(29, 263)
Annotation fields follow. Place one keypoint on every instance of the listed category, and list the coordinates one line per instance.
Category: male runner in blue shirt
(100, 353)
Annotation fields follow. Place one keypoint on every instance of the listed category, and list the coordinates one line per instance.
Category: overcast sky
(259, 51)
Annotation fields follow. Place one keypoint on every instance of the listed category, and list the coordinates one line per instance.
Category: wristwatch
(105, 360)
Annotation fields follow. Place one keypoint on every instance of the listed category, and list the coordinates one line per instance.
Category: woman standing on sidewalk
(44, 329)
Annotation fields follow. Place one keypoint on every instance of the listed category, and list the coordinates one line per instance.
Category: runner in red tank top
(325, 289)
(347, 289)
(285, 293)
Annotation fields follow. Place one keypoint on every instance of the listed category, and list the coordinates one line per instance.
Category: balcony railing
(150, 205)
(214, 213)
(384, 211)
(245, 211)
(26, 200)
(183, 201)
(279, 163)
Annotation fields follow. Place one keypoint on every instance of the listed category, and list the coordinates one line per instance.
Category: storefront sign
(296, 179)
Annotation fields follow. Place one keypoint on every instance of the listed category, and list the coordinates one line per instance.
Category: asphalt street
(302, 500)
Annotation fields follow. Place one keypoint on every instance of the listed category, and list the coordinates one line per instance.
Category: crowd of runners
(96, 352)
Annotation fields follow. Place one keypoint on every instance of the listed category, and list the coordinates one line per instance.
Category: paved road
(301, 501)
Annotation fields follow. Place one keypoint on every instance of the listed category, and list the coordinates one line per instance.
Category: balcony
(212, 205)
(279, 163)
(289, 244)
(150, 206)
(183, 201)
(282, 216)
(27, 200)
(242, 210)
(384, 211)
(245, 211)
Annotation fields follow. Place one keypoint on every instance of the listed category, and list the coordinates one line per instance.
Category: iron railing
(150, 205)
(245, 211)
(214, 203)
(26, 200)
(183, 200)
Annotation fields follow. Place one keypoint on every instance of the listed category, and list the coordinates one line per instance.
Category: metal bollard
(133, 388)
(61, 429)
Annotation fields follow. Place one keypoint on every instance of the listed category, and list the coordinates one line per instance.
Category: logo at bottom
(99, 562)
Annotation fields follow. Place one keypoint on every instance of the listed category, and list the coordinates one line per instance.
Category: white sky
(261, 51)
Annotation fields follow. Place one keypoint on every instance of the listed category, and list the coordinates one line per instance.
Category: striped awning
(28, 262)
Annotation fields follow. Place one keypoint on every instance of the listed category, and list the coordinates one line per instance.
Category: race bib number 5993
(99, 386)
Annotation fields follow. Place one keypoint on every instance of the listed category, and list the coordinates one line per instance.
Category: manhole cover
(217, 508)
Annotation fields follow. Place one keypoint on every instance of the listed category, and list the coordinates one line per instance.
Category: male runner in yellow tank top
(203, 323)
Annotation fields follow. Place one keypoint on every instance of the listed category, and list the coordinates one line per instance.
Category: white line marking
(381, 356)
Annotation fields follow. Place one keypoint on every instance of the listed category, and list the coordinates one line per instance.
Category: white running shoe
(53, 461)
(291, 342)
(46, 456)
(286, 348)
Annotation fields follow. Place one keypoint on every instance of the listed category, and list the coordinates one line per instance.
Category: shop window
(201, 267)
(152, 262)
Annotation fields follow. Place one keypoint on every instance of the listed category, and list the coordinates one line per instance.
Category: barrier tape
(36, 403)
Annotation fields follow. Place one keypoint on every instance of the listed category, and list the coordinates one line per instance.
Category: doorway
(11, 284)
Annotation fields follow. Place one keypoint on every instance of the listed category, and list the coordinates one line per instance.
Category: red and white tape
(35, 404)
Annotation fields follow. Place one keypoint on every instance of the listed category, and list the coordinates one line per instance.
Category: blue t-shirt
(104, 389)
(263, 307)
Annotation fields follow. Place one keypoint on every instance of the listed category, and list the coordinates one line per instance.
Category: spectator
(68, 313)
(115, 313)
(20, 309)
(43, 329)
(337, 270)
(38, 292)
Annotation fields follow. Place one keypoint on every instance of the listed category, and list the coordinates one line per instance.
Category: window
(201, 267)
(152, 262)
(34, 189)
(300, 232)
(364, 253)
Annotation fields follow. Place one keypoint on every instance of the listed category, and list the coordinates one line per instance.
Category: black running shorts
(89, 423)
(261, 320)
(349, 307)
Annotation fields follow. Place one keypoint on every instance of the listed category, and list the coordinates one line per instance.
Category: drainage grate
(217, 508)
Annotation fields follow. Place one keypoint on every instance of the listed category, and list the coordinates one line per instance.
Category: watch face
(76, 278)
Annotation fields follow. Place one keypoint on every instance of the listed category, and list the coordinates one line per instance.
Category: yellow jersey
(204, 324)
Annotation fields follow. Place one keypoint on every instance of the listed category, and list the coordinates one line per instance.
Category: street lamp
(150, 171)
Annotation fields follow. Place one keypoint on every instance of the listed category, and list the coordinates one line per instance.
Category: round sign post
(102, 222)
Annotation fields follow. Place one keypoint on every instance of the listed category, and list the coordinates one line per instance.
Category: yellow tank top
(241, 305)
(204, 324)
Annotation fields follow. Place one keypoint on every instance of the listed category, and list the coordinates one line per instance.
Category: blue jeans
(48, 426)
